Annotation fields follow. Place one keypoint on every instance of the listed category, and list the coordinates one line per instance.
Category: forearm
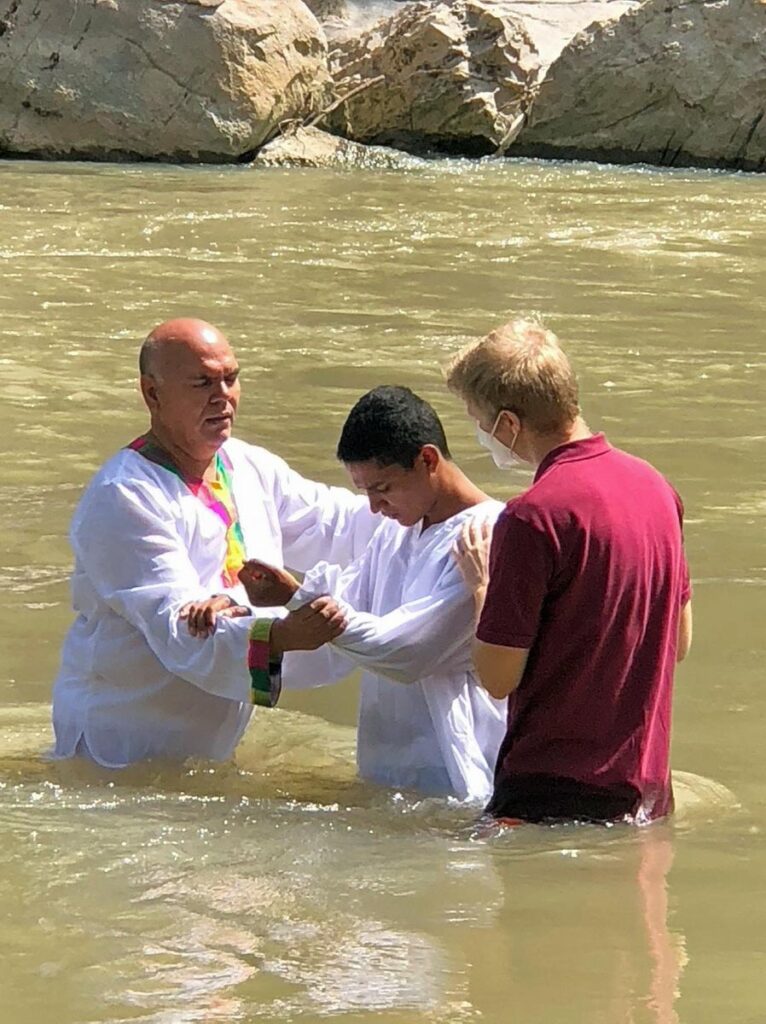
(217, 664)
(412, 642)
(303, 670)
(499, 669)
(685, 630)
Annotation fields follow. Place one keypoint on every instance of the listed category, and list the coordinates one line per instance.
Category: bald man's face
(192, 392)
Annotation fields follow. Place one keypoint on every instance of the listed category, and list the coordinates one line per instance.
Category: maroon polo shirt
(587, 571)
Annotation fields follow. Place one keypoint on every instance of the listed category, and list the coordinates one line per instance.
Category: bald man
(165, 525)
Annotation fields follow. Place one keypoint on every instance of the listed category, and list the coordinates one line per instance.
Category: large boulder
(675, 82)
(458, 75)
(203, 80)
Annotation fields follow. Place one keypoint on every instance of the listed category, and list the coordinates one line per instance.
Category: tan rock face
(676, 82)
(174, 79)
(447, 74)
(459, 74)
(311, 147)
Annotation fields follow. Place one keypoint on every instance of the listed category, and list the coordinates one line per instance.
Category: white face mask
(503, 457)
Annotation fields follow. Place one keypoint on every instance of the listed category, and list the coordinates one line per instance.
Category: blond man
(583, 601)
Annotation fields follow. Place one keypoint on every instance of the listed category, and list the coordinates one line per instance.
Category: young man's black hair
(390, 425)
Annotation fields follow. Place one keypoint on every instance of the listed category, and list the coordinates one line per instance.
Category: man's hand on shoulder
(266, 585)
(308, 627)
(201, 616)
(471, 552)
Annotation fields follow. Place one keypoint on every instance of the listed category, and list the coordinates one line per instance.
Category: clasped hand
(266, 585)
(304, 629)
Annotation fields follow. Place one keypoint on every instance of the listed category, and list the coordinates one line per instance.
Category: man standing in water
(166, 523)
(424, 722)
(583, 603)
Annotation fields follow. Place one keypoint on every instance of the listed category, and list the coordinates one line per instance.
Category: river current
(280, 888)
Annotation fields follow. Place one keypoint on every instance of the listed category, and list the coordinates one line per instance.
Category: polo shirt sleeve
(520, 570)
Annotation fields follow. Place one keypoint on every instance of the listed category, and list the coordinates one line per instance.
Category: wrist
(479, 596)
(276, 640)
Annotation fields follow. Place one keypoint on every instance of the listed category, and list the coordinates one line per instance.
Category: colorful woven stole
(218, 496)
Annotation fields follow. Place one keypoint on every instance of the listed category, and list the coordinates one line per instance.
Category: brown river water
(280, 888)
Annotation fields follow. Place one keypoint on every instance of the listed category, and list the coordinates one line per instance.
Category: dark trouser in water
(545, 798)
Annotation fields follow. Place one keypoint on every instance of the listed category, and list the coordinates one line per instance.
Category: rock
(206, 80)
(345, 19)
(458, 75)
(311, 147)
(673, 83)
(322, 9)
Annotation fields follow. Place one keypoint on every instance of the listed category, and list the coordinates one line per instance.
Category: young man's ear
(431, 457)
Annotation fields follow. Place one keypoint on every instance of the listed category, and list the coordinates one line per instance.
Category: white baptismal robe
(133, 682)
(425, 723)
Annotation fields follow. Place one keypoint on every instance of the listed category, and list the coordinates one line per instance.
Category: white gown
(133, 682)
(425, 723)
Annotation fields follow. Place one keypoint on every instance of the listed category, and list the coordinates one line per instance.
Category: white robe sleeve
(317, 521)
(419, 639)
(137, 562)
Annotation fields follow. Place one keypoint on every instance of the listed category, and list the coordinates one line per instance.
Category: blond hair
(519, 367)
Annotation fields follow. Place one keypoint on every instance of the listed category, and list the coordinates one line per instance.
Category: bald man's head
(189, 380)
(168, 337)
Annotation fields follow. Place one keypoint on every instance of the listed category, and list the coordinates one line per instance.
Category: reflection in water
(667, 951)
(582, 934)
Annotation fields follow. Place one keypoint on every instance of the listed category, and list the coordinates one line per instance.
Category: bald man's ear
(149, 390)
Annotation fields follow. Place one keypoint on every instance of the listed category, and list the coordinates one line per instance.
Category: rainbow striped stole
(217, 495)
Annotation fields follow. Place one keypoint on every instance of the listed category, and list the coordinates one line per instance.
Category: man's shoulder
(489, 509)
(634, 463)
(125, 468)
(637, 479)
(125, 476)
(255, 459)
(529, 506)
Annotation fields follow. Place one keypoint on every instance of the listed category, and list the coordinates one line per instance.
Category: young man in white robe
(165, 524)
(424, 721)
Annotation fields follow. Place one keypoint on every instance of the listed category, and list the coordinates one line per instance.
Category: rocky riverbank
(669, 82)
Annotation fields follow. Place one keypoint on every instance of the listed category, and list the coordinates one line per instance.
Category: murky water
(280, 888)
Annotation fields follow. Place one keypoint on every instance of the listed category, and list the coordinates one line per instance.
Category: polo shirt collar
(574, 451)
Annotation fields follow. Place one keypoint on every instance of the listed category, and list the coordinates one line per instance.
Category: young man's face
(406, 495)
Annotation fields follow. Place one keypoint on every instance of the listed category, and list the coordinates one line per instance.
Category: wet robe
(133, 682)
(425, 723)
